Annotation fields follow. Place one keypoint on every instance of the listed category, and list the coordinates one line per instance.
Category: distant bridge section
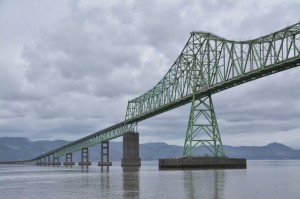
(208, 64)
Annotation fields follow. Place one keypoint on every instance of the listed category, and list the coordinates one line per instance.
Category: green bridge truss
(207, 64)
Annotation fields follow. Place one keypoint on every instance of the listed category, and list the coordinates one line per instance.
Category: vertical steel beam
(203, 130)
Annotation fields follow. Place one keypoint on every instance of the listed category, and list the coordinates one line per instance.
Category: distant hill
(272, 151)
(18, 148)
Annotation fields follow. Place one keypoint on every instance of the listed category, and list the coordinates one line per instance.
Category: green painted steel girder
(203, 130)
(220, 64)
(208, 64)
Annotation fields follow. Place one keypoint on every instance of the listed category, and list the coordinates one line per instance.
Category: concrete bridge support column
(69, 161)
(48, 160)
(104, 156)
(85, 158)
(131, 155)
(56, 162)
(45, 161)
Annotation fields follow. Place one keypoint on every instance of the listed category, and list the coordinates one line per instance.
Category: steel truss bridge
(207, 64)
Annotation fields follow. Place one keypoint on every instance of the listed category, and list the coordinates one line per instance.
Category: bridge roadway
(208, 64)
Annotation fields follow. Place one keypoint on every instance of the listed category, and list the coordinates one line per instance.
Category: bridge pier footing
(203, 163)
(131, 155)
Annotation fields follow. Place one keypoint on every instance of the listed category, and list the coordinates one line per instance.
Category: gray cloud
(69, 70)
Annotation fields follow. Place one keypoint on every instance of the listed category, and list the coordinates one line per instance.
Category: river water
(262, 179)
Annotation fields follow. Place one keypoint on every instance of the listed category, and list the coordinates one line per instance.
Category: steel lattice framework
(203, 129)
(208, 64)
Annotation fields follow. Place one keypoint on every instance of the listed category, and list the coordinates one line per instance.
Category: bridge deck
(208, 64)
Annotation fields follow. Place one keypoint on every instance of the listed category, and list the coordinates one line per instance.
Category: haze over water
(262, 179)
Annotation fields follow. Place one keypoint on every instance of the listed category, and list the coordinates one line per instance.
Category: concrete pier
(85, 158)
(105, 155)
(131, 154)
(69, 161)
(44, 163)
(38, 162)
(55, 162)
(203, 163)
(47, 163)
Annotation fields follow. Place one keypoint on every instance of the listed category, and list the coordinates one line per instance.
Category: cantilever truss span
(207, 64)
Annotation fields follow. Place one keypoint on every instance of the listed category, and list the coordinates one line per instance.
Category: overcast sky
(68, 68)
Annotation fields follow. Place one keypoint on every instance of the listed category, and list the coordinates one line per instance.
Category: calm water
(262, 179)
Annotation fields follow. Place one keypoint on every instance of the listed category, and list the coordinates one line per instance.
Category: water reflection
(204, 183)
(84, 169)
(131, 182)
(105, 186)
(103, 169)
